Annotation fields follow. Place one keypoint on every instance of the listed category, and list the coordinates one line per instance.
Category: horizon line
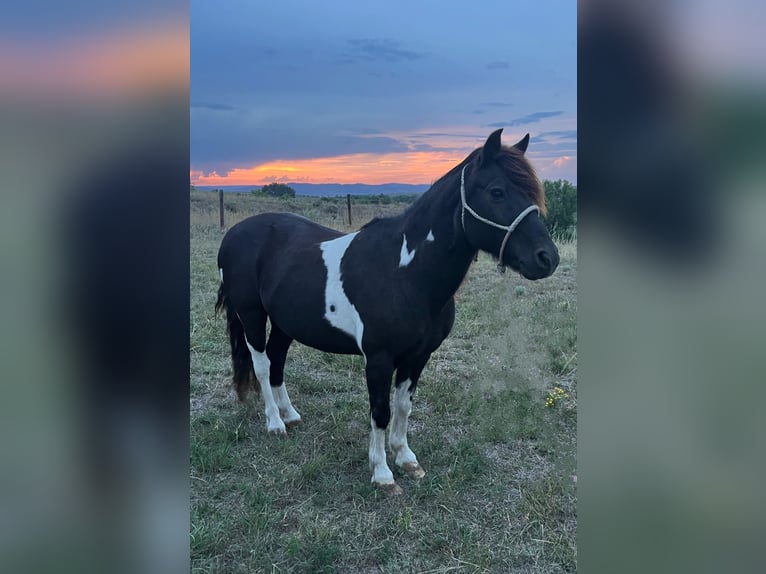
(309, 183)
(338, 183)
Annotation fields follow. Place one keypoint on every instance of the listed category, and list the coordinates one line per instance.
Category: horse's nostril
(543, 258)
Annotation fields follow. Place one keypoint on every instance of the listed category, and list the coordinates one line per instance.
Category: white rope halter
(508, 228)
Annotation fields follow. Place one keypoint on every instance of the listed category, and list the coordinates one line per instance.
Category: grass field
(493, 424)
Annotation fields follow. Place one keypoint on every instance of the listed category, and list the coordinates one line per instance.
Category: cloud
(246, 145)
(380, 144)
(560, 137)
(380, 49)
(498, 66)
(562, 134)
(547, 147)
(212, 106)
(558, 167)
(424, 147)
(416, 167)
(524, 120)
(365, 131)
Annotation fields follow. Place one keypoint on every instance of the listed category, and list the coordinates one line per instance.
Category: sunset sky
(384, 92)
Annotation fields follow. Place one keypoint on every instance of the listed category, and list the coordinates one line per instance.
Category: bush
(561, 200)
(275, 190)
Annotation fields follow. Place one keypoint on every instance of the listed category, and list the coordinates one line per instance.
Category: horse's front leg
(379, 371)
(405, 458)
(406, 382)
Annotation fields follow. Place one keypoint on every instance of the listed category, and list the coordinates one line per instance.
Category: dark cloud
(365, 131)
(524, 120)
(561, 135)
(212, 106)
(377, 145)
(380, 49)
(241, 147)
(564, 134)
(558, 148)
(498, 66)
(271, 84)
(424, 147)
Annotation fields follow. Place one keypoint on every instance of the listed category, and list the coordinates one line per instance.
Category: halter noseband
(508, 228)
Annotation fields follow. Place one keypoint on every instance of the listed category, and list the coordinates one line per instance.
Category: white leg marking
(405, 257)
(401, 413)
(381, 474)
(430, 236)
(339, 311)
(261, 367)
(289, 414)
(220, 272)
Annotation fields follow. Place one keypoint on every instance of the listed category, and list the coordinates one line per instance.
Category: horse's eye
(496, 192)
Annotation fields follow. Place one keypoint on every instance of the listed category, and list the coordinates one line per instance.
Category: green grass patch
(498, 495)
(213, 440)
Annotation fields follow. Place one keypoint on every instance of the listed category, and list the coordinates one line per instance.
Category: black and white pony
(384, 292)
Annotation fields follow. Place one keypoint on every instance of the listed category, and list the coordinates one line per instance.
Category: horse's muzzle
(547, 260)
(542, 264)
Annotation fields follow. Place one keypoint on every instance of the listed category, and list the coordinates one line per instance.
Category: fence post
(348, 204)
(220, 205)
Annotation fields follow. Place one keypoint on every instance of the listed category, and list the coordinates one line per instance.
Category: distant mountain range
(332, 189)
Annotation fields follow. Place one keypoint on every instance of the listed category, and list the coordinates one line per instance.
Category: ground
(493, 424)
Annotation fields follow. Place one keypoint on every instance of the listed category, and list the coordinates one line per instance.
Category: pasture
(493, 423)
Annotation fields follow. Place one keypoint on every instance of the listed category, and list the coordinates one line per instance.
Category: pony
(385, 292)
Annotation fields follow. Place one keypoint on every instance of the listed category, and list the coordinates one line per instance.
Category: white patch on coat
(220, 272)
(289, 414)
(338, 310)
(430, 236)
(402, 408)
(405, 257)
(261, 366)
(381, 474)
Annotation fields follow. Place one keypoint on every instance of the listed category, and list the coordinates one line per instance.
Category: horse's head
(501, 203)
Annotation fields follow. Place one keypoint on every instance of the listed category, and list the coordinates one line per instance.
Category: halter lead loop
(508, 228)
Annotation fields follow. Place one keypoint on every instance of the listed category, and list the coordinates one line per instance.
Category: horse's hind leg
(254, 321)
(243, 375)
(276, 350)
(406, 381)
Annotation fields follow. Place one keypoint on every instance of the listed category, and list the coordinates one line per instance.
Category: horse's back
(267, 226)
(255, 240)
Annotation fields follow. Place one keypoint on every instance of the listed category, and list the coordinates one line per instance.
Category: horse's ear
(491, 147)
(523, 143)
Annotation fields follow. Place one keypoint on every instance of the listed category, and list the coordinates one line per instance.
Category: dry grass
(500, 489)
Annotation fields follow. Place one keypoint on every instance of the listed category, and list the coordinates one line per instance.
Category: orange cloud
(562, 161)
(134, 60)
(407, 167)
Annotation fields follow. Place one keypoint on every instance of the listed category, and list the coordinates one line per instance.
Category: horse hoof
(295, 423)
(414, 470)
(278, 432)
(391, 489)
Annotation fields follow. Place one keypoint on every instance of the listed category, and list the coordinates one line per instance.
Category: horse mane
(371, 222)
(512, 161)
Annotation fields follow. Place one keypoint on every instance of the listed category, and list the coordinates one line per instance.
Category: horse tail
(243, 375)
